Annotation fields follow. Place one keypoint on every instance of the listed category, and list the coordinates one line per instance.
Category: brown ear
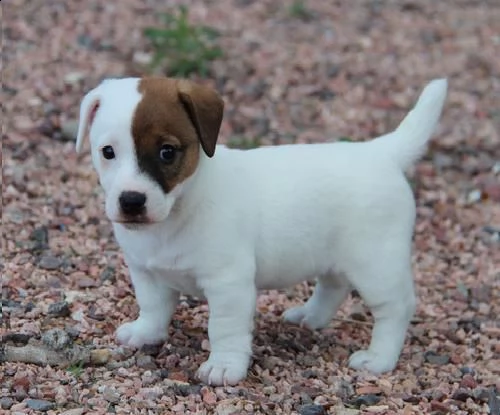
(205, 108)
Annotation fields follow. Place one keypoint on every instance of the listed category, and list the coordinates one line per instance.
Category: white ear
(88, 109)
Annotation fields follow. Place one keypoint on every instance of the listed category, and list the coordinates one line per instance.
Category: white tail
(409, 141)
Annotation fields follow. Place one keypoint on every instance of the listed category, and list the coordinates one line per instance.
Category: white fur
(342, 213)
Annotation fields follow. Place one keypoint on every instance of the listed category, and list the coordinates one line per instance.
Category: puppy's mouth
(134, 222)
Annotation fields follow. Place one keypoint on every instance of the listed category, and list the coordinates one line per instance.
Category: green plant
(243, 143)
(299, 10)
(181, 47)
(76, 369)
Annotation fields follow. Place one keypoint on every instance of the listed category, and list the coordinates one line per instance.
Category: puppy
(205, 220)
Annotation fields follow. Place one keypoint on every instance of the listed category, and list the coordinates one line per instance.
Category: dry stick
(39, 354)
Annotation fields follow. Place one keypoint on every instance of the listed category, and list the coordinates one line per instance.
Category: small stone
(75, 411)
(86, 282)
(74, 78)
(6, 402)
(146, 362)
(49, 262)
(368, 390)
(40, 405)
(467, 370)
(186, 389)
(209, 397)
(309, 373)
(468, 382)
(39, 236)
(69, 129)
(493, 402)
(474, 196)
(461, 395)
(436, 359)
(205, 345)
(59, 309)
(56, 339)
(111, 395)
(481, 394)
(151, 349)
(108, 274)
(439, 407)
(23, 123)
(142, 58)
(344, 390)
(312, 409)
(366, 400)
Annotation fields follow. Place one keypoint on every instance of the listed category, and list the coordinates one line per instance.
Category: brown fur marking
(162, 117)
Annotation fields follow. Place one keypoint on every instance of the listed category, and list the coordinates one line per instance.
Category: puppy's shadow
(282, 342)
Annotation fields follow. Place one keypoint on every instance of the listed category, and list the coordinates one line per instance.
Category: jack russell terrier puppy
(220, 224)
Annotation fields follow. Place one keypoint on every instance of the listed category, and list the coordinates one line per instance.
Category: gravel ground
(343, 69)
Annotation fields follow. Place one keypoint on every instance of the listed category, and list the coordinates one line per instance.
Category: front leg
(157, 303)
(231, 300)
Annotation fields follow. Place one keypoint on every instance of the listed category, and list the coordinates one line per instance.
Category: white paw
(223, 369)
(140, 332)
(372, 361)
(303, 317)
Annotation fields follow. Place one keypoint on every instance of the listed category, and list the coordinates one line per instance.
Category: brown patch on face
(179, 114)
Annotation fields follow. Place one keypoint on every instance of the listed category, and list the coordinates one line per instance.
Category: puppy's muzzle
(132, 203)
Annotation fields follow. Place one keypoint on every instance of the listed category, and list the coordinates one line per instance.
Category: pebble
(481, 394)
(467, 370)
(367, 400)
(461, 394)
(468, 382)
(439, 407)
(75, 411)
(40, 236)
(312, 409)
(108, 274)
(145, 361)
(111, 395)
(142, 58)
(86, 282)
(74, 78)
(40, 405)
(49, 262)
(23, 123)
(6, 402)
(59, 309)
(493, 402)
(436, 359)
(69, 129)
(56, 339)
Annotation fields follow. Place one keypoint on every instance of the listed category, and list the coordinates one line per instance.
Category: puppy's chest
(156, 258)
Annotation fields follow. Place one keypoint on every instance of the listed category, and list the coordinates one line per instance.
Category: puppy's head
(146, 138)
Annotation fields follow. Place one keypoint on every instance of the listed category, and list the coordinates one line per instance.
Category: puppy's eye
(108, 153)
(167, 153)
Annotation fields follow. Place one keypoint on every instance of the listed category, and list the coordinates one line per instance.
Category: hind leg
(317, 312)
(387, 289)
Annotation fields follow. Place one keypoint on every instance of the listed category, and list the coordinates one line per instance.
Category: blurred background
(295, 71)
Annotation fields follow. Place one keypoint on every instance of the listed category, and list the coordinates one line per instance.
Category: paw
(372, 361)
(222, 369)
(140, 332)
(303, 317)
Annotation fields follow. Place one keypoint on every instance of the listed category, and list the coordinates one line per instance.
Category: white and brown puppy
(220, 223)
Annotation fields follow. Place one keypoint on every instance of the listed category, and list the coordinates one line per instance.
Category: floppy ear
(88, 109)
(205, 108)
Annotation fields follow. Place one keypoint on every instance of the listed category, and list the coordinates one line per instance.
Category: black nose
(132, 203)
